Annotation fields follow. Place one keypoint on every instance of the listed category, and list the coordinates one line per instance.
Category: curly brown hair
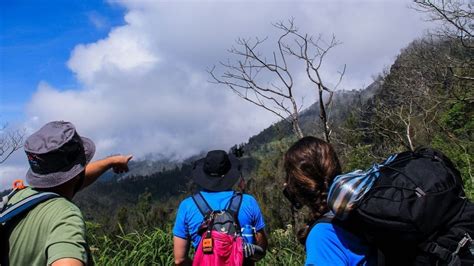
(310, 165)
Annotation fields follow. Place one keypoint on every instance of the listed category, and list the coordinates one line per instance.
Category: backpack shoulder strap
(202, 204)
(234, 207)
(234, 203)
(25, 205)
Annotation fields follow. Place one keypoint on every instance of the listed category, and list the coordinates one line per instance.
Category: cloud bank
(144, 88)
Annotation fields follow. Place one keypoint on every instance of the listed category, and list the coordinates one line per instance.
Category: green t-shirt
(52, 230)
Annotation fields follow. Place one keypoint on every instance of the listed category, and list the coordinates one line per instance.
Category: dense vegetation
(421, 100)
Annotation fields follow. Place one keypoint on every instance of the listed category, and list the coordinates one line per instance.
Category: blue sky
(131, 74)
(37, 38)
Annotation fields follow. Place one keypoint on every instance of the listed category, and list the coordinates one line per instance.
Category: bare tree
(10, 141)
(456, 16)
(402, 124)
(269, 83)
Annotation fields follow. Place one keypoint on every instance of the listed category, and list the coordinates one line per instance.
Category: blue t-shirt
(329, 244)
(189, 218)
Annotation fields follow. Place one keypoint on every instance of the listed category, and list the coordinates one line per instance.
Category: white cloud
(143, 89)
(123, 51)
(100, 22)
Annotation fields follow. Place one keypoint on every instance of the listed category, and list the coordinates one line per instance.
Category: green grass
(138, 248)
(155, 247)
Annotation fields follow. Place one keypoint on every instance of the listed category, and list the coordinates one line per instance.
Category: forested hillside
(424, 98)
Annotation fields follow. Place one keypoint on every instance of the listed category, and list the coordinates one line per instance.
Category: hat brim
(217, 183)
(58, 178)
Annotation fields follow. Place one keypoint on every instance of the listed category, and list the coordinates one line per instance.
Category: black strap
(202, 204)
(438, 251)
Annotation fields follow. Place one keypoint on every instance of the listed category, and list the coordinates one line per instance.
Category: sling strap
(24, 205)
(7, 213)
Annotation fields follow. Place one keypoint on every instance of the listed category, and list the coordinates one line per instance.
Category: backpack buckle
(466, 239)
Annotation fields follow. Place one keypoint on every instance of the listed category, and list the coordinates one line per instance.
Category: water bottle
(248, 233)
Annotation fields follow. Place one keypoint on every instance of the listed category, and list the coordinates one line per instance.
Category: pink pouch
(227, 250)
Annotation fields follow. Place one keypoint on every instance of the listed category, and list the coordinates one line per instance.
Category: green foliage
(461, 158)
(351, 134)
(148, 247)
(155, 247)
(284, 249)
(358, 158)
(456, 140)
(459, 118)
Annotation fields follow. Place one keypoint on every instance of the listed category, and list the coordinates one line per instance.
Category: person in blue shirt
(311, 165)
(216, 175)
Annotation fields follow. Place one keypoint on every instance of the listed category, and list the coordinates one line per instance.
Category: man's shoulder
(62, 204)
(333, 233)
(322, 228)
(58, 206)
(322, 234)
(186, 203)
(248, 199)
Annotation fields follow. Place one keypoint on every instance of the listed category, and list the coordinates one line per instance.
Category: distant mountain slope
(143, 167)
(344, 102)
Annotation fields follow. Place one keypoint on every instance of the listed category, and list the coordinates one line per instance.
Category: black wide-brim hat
(218, 171)
(56, 154)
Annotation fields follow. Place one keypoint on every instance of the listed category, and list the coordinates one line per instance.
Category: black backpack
(222, 220)
(416, 211)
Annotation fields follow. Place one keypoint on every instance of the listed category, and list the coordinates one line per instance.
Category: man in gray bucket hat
(53, 231)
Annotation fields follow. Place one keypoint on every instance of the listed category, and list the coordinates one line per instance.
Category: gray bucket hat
(56, 154)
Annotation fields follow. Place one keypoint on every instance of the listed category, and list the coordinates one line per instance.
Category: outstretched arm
(119, 164)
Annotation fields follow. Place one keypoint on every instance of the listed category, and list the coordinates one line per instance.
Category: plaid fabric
(348, 189)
